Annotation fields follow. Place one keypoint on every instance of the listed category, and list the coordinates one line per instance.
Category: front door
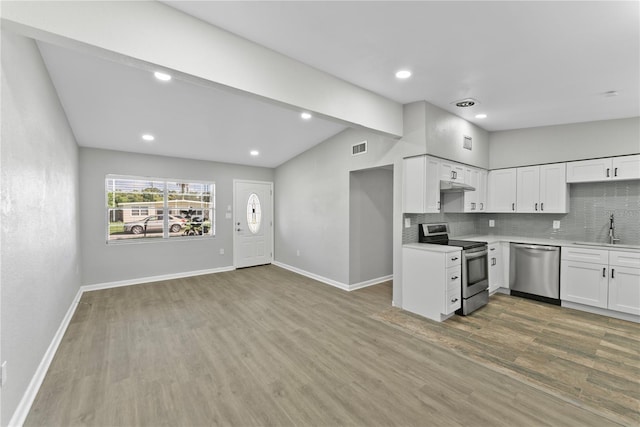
(253, 223)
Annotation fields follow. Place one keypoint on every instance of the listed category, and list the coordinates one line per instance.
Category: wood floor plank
(267, 347)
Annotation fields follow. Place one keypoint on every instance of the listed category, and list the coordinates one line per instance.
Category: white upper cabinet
(609, 169)
(421, 185)
(528, 189)
(481, 190)
(502, 190)
(554, 190)
(450, 171)
(472, 178)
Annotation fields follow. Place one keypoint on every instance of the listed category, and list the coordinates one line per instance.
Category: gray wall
(40, 259)
(104, 263)
(561, 143)
(370, 224)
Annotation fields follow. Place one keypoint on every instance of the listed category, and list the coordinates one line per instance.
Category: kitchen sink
(608, 245)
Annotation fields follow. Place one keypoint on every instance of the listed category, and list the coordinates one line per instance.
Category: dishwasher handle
(536, 247)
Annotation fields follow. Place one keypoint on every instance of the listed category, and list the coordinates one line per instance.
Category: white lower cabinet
(496, 268)
(431, 282)
(601, 278)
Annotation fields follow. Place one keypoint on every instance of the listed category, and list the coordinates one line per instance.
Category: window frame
(165, 237)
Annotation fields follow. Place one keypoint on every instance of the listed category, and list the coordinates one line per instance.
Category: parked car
(154, 224)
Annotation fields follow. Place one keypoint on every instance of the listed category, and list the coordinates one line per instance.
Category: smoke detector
(465, 103)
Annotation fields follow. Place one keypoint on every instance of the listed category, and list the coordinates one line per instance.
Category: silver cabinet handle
(239, 229)
(541, 206)
(536, 207)
(454, 300)
(604, 272)
(454, 278)
(513, 206)
(607, 172)
(454, 258)
(492, 249)
(615, 171)
(481, 206)
(438, 204)
(613, 273)
(493, 261)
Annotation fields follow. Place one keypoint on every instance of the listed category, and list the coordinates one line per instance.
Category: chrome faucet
(612, 231)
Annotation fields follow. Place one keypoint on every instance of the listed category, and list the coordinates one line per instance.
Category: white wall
(105, 263)
(40, 254)
(560, 143)
(370, 225)
(440, 134)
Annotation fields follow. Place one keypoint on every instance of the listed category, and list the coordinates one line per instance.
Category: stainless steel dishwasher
(534, 272)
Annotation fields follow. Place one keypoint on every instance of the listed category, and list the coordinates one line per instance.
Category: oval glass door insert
(254, 213)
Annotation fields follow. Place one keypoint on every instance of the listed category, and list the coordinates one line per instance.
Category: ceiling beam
(156, 34)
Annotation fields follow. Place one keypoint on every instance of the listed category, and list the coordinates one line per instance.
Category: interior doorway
(370, 226)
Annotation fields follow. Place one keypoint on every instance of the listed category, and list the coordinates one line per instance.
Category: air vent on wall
(359, 148)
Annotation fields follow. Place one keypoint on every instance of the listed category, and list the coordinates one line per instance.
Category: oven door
(475, 270)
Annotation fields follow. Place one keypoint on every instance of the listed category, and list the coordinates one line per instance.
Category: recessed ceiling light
(481, 116)
(305, 115)
(467, 102)
(403, 74)
(254, 152)
(148, 137)
(162, 76)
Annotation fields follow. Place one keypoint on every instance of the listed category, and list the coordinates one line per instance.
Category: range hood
(454, 187)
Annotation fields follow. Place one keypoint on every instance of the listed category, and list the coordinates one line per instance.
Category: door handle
(604, 272)
(454, 258)
(615, 171)
(454, 300)
(541, 206)
(481, 206)
(454, 278)
(608, 172)
(438, 204)
(613, 273)
(493, 261)
(239, 229)
(513, 206)
(536, 208)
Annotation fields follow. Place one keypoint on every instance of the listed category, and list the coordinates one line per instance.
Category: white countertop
(490, 238)
(432, 248)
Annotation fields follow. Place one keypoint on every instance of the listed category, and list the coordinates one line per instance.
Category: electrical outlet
(221, 251)
(3, 374)
(298, 252)
(556, 225)
(227, 215)
(492, 223)
(407, 223)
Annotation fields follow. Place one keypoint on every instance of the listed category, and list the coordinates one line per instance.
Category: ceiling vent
(359, 148)
(467, 102)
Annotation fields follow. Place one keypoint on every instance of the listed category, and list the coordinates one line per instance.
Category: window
(254, 213)
(136, 206)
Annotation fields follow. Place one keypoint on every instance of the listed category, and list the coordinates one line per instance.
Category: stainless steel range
(475, 267)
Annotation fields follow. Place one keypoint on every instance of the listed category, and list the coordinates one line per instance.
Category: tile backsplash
(591, 204)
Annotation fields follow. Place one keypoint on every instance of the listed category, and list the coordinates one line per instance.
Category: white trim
(322, 279)
(370, 282)
(602, 311)
(24, 406)
(149, 279)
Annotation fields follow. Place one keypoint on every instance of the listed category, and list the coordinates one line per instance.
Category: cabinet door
(554, 190)
(432, 186)
(414, 185)
(528, 189)
(624, 289)
(496, 274)
(481, 189)
(626, 167)
(450, 171)
(502, 190)
(584, 283)
(589, 170)
(471, 177)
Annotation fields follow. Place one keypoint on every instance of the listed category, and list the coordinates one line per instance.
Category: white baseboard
(370, 282)
(602, 311)
(149, 279)
(24, 406)
(331, 282)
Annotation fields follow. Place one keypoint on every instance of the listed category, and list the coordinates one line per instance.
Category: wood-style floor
(267, 347)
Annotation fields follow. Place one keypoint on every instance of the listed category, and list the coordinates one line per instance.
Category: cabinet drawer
(624, 259)
(453, 277)
(453, 259)
(453, 300)
(600, 256)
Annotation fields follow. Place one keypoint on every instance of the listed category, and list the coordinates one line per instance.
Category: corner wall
(40, 253)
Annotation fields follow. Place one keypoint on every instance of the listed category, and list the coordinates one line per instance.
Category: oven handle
(473, 255)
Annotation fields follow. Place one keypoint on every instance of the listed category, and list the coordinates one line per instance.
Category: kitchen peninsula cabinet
(608, 169)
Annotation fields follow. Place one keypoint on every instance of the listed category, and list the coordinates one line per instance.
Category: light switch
(556, 225)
